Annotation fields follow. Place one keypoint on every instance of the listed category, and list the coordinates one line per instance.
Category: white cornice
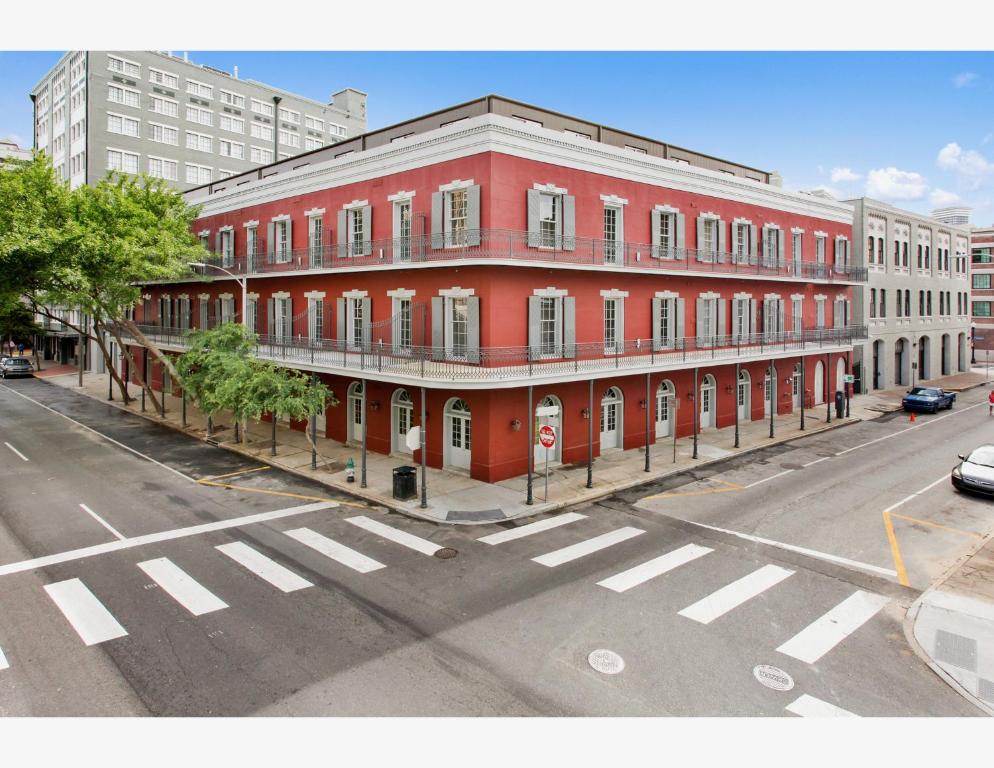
(493, 133)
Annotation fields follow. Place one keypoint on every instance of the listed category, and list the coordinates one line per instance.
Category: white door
(355, 414)
(767, 394)
(744, 400)
(664, 413)
(610, 420)
(555, 453)
(819, 383)
(402, 411)
(796, 384)
(707, 405)
(459, 437)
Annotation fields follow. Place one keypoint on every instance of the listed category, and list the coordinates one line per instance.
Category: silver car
(16, 366)
(975, 472)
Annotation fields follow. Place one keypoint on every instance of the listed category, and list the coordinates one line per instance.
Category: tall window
(797, 316)
(667, 241)
(404, 235)
(611, 233)
(251, 241)
(404, 340)
(548, 323)
(883, 302)
(610, 325)
(549, 219)
(880, 251)
(356, 322)
(740, 319)
(772, 247)
(458, 326)
(358, 236)
(458, 215)
(667, 322)
(907, 303)
(904, 254)
(709, 234)
(316, 239)
(873, 303)
(281, 249)
(742, 232)
(316, 316)
(820, 249)
(227, 248)
(871, 257)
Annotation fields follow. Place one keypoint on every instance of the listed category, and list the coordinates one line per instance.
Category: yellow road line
(902, 574)
(268, 492)
(731, 487)
(937, 525)
(239, 472)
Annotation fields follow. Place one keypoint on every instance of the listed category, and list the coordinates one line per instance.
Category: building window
(232, 124)
(549, 219)
(289, 115)
(260, 131)
(355, 226)
(251, 241)
(611, 325)
(126, 126)
(161, 106)
(197, 174)
(125, 96)
(161, 168)
(199, 142)
(871, 257)
(314, 123)
(290, 138)
(667, 322)
(164, 134)
(227, 248)
(820, 249)
(315, 237)
(709, 238)
(261, 155)
(772, 250)
(883, 302)
(981, 309)
(403, 244)
(315, 317)
(200, 90)
(281, 249)
(403, 340)
(311, 143)
(232, 99)
(667, 240)
(613, 237)
(982, 280)
(880, 251)
(356, 323)
(548, 321)
(198, 115)
(457, 318)
(262, 108)
(458, 200)
(166, 79)
(231, 149)
(125, 67)
(118, 160)
(741, 243)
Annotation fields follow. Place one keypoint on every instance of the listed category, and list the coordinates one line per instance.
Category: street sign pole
(546, 474)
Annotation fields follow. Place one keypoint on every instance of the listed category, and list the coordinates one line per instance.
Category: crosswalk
(94, 623)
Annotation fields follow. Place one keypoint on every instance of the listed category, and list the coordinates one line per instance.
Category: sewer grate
(446, 553)
(956, 649)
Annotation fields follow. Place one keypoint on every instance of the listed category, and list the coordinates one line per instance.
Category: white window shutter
(534, 212)
(752, 244)
(681, 234)
(657, 318)
(367, 322)
(473, 330)
(569, 222)
(655, 222)
(473, 215)
(722, 241)
(437, 232)
(341, 322)
(780, 246)
(343, 234)
(270, 241)
(680, 311)
(569, 326)
(437, 327)
(367, 231)
(534, 326)
(619, 323)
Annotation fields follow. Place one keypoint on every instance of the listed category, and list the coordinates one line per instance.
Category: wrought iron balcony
(504, 245)
(512, 366)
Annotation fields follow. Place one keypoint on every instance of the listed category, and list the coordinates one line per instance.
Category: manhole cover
(606, 662)
(446, 553)
(773, 677)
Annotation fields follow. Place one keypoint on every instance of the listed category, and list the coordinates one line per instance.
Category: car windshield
(984, 456)
(18, 361)
(925, 391)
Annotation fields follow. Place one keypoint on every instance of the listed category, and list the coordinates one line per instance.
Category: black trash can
(405, 483)
(840, 404)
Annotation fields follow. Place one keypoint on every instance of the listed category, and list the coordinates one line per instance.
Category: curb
(911, 617)
(415, 513)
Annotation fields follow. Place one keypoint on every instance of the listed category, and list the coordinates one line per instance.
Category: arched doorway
(961, 352)
(665, 414)
(878, 362)
(458, 434)
(769, 387)
(795, 384)
(901, 363)
(924, 358)
(611, 417)
(819, 386)
(708, 404)
(743, 396)
(401, 420)
(556, 452)
(354, 401)
(840, 376)
(946, 354)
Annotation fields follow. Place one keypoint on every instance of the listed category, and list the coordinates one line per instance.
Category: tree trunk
(143, 379)
(98, 337)
(132, 328)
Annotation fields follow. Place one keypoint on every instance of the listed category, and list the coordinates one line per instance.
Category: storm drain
(446, 553)
(956, 649)
(606, 662)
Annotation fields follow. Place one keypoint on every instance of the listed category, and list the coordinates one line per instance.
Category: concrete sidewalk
(454, 497)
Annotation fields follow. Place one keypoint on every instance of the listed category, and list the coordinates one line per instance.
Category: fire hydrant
(350, 471)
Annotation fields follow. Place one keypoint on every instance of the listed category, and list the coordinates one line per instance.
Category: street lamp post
(242, 281)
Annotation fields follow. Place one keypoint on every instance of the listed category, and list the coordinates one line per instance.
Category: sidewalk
(953, 626)
(455, 497)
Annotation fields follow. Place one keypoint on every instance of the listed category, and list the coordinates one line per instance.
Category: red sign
(547, 436)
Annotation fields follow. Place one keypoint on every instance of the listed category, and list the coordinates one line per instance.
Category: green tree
(17, 323)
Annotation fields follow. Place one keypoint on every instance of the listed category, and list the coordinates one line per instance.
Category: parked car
(11, 367)
(929, 399)
(975, 472)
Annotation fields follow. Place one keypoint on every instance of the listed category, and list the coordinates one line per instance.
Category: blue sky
(912, 128)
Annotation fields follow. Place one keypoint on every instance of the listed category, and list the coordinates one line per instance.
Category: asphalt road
(203, 600)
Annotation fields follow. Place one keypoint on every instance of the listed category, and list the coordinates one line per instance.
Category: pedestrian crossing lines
(719, 603)
(390, 533)
(334, 550)
(3, 661)
(193, 596)
(530, 529)
(809, 706)
(92, 621)
(587, 547)
(640, 574)
(264, 567)
(822, 635)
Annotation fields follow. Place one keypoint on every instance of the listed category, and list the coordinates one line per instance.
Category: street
(143, 572)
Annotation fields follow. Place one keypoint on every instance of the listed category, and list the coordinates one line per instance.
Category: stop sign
(547, 436)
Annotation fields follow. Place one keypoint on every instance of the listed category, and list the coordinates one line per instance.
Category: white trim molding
(770, 225)
(226, 228)
(355, 204)
(400, 196)
(204, 233)
(552, 189)
(771, 296)
(201, 296)
(314, 212)
(456, 292)
(797, 297)
(355, 294)
(455, 184)
(820, 297)
(281, 295)
(227, 296)
(740, 220)
(738, 296)
(252, 223)
(252, 296)
(819, 233)
(709, 295)
(667, 295)
(281, 217)
(402, 293)
(314, 294)
(666, 209)
(614, 293)
(797, 230)
(709, 215)
(550, 292)
(613, 200)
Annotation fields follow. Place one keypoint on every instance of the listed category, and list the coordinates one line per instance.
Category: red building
(495, 255)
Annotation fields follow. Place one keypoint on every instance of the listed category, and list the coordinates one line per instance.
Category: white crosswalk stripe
(733, 595)
(337, 552)
(4, 664)
(809, 706)
(583, 548)
(264, 567)
(822, 635)
(657, 566)
(87, 615)
(403, 538)
(531, 528)
(196, 598)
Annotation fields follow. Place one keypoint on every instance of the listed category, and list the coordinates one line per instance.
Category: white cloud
(963, 79)
(894, 184)
(940, 198)
(969, 164)
(844, 174)
(987, 139)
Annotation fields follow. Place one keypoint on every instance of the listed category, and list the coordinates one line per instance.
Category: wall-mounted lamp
(374, 405)
(642, 404)
(515, 424)
(728, 389)
(585, 413)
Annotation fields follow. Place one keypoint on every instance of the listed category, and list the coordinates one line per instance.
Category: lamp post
(242, 281)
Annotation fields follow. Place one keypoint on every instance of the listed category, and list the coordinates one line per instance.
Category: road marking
(800, 550)
(895, 550)
(816, 461)
(233, 474)
(266, 491)
(771, 477)
(403, 538)
(670, 494)
(576, 551)
(101, 434)
(87, 615)
(531, 528)
(908, 429)
(733, 595)
(25, 458)
(826, 632)
(100, 520)
(337, 552)
(809, 706)
(918, 521)
(264, 567)
(193, 596)
(4, 664)
(155, 538)
(625, 580)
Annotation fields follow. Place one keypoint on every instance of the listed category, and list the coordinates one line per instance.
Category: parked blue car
(929, 399)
